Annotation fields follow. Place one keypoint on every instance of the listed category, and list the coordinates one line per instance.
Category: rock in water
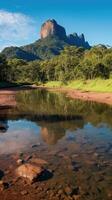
(29, 171)
(3, 185)
(50, 27)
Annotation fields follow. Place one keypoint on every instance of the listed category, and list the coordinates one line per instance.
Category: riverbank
(97, 90)
(96, 85)
(7, 96)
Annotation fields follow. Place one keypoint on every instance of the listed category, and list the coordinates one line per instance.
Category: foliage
(73, 63)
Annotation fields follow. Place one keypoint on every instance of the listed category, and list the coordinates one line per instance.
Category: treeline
(73, 63)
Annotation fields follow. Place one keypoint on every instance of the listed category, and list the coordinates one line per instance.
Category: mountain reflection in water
(47, 117)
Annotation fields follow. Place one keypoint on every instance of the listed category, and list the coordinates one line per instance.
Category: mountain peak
(53, 40)
(52, 28)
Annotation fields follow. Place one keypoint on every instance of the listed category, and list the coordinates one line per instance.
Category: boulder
(29, 171)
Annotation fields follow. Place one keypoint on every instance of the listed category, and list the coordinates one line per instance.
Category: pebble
(76, 197)
(60, 192)
(4, 185)
(68, 190)
(24, 192)
(20, 161)
(34, 145)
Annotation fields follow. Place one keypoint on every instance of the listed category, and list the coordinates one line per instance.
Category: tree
(3, 68)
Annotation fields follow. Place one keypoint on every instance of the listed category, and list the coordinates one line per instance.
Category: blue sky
(20, 20)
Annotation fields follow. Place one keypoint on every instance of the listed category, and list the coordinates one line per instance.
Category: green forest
(73, 63)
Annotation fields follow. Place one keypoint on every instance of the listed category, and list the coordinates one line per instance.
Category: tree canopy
(72, 63)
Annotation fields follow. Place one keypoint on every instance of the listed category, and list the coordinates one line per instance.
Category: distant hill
(53, 40)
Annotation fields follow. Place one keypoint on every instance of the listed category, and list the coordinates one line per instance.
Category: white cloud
(15, 29)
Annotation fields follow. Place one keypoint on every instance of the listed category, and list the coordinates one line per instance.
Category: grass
(97, 85)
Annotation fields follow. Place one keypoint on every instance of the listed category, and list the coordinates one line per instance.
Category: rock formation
(52, 42)
(50, 27)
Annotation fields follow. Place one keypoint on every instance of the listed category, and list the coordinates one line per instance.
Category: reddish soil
(87, 96)
(91, 96)
(7, 98)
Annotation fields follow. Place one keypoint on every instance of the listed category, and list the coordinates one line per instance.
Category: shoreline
(7, 95)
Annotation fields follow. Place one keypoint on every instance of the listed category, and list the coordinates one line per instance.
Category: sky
(20, 20)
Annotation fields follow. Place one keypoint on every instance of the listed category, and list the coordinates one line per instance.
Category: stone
(60, 192)
(29, 171)
(3, 185)
(20, 161)
(75, 191)
(24, 192)
(34, 146)
(68, 190)
(3, 126)
(76, 197)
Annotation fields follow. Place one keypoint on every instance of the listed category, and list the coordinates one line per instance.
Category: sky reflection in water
(49, 118)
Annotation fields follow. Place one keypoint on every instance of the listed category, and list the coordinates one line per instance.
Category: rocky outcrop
(50, 27)
(78, 41)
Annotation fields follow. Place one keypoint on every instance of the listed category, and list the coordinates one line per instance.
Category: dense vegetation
(45, 48)
(72, 64)
(39, 50)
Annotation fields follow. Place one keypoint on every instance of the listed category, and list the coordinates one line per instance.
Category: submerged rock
(24, 192)
(68, 191)
(29, 171)
(3, 126)
(3, 185)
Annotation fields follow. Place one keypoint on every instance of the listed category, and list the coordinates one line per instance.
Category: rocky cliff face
(78, 41)
(51, 28)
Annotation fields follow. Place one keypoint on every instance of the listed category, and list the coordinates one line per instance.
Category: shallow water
(74, 136)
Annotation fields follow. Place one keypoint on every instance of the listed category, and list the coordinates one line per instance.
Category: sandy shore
(86, 96)
(91, 96)
(7, 96)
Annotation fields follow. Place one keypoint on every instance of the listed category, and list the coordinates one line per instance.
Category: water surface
(73, 135)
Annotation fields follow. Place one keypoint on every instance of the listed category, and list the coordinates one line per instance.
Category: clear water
(72, 134)
(52, 117)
